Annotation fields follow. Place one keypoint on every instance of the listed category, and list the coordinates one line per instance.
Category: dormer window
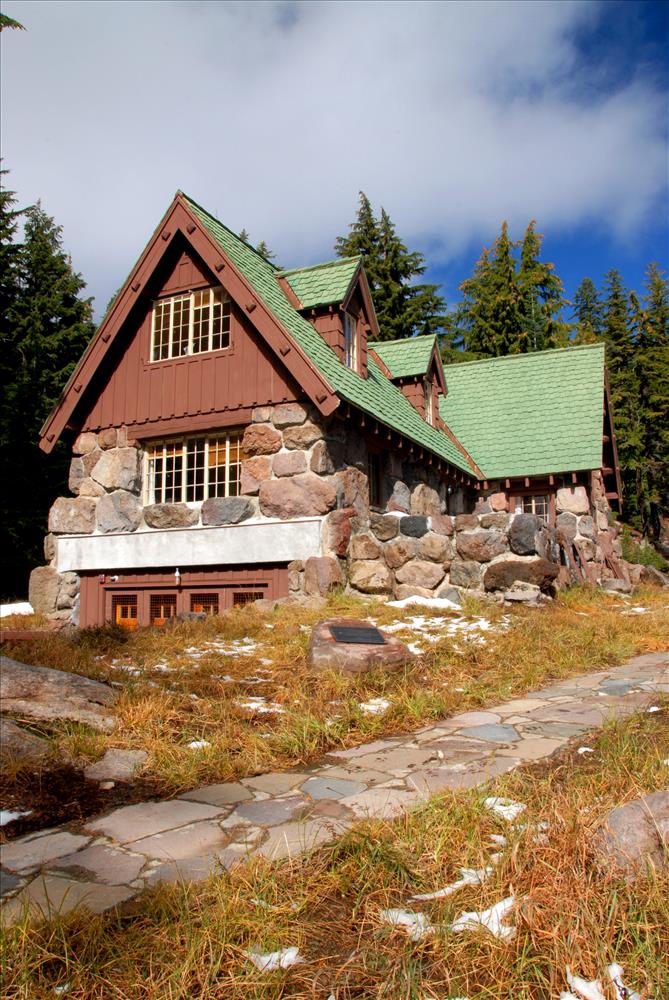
(351, 341)
(190, 323)
(429, 401)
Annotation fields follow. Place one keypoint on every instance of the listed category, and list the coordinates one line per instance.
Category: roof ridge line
(403, 340)
(526, 354)
(314, 267)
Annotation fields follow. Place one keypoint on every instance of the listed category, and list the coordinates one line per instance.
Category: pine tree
(651, 328)
(624, 382)
(49, 327)
(404, 307)
(587, 313)
(491, 313)
(542, 296)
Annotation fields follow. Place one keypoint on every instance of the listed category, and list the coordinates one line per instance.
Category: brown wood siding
(155, 397)
(329, 325)
(414, 392)
(97, 591)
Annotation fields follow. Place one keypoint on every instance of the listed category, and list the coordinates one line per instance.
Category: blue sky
(274, 114)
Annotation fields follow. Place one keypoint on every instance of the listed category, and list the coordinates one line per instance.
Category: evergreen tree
(49, 325)
(587, 313)
(624, 382)
(404, 307)
(265, 251)
(651, 328)
(542, 295)
(491, 313)
(245, 236)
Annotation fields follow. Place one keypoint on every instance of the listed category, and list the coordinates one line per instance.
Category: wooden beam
(612, 496)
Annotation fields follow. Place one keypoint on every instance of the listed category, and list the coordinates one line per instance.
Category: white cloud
(455, 115)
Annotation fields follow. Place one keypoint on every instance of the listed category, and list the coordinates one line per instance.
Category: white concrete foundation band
(230, 544)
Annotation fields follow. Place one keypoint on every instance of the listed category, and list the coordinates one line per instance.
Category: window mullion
(164, 476)
(184, 467)
(170, 342)
(227, 465)
(211, 319)
(205, 475)
(191, 322)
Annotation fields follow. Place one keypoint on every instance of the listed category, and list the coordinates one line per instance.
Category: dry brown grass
(198, 696)
(188, 943)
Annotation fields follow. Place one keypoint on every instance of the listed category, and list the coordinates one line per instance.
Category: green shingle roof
(406, 358)
(322, 284)
(375, 395)
(529, 414)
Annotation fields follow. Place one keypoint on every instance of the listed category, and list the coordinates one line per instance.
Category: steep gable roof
(406, 358)
(323, 284)
(529, 414)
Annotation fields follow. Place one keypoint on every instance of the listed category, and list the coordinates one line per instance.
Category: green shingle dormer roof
(529, 414)
(322, 284)
(406, 358)
(374, 395)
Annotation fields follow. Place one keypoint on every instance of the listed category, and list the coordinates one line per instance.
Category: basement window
(242, 597)
(194, 469)
(124, 610)
(162, 607)
(204, 604)
(539, 505)
(190, 324)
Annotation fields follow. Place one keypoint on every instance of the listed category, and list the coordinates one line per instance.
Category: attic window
(190, 324)
(429, 402)
(351, 341)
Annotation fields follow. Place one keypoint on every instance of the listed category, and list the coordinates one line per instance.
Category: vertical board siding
(144, 394)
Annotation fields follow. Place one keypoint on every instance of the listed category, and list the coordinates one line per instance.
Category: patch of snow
(414, 648)
(623, 992)
(470, 876)
(260, 706)
(653, 708)
(585, 750)
(58, 990)
(666, 761)
(588, 991)
(198, 744)
(492, 919)
(506, 808)
(8, 815)
(498, 840)
(273, 960)
(439, 603)
(636, 611)
(416, 925)
(375, 706)
(19, 608)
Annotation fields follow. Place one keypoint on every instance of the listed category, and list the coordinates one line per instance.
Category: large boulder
(118, 511)
(85, 443)
(303, 436)
(352, 490)
(261, 439)
(43, 693)
(503, 574)
(414, 526)
(371, 577)
(399, 551)
(254, 472)
(442, 524)
(567, 525)
(67, 593)
(465, 573)
(636, 834)
(325, 653)
(289, 463)
(322, 574)
(400, 498)
(72, 516)
(289, 414)
(300, 496)
(425, 500)
(481, 545)
(384, 526)
(227, 510)
(322, 461)
(573, 499)
(419, 573)
(118, 469)
(438, 548)
(465, 522)
(43, 589)
(337, 531)
(18, 744)
(525, 538)
(170, 515)
(364, 546)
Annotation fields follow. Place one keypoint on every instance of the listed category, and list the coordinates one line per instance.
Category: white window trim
(351, 341)
(150, 453)
(429, 401)
(191, 322)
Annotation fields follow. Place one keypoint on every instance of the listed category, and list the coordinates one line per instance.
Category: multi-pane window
(204, 604)
(162, 607)
(350, 341)
(241, 597)
(124, 610)
(190, 324)
(194, 469)
(539, 505)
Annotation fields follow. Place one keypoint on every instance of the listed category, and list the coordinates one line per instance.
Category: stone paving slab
(284, 814)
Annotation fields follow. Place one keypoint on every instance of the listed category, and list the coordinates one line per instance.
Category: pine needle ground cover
(329, 909)
(233, 696)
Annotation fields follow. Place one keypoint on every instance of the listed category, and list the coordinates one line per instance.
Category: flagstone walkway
(114, 857)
